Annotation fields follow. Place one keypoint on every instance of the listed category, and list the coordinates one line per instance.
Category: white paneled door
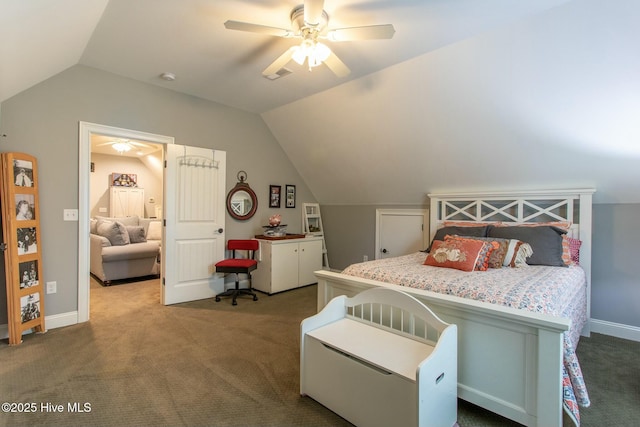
(401, 231)
(194, 237)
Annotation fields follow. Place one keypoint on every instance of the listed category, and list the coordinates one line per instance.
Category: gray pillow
(136, 233)
(114, 231)
(545, 241)
(125, 220)
(480, 231)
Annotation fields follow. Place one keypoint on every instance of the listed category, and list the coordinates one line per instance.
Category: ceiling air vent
(280, 73)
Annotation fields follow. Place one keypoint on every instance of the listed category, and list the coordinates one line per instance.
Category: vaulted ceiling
(467, 94)
(142, 39)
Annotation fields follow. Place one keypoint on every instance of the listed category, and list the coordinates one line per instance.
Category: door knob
(220, 230)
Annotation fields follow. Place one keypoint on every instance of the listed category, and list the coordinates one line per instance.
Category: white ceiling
(143, 38)
(104, 145)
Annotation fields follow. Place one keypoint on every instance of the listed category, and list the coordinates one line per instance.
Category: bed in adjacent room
(519, 324)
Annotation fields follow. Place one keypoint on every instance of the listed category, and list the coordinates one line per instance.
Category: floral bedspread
(557, 291)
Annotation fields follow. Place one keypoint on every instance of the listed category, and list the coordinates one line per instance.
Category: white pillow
(155, 231)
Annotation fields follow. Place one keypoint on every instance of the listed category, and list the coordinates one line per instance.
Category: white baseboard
(617, 330)
(50, 322)
(604, 327)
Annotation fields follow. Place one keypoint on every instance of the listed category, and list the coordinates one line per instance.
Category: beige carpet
(137, 363)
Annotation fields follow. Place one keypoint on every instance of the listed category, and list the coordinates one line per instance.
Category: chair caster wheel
(255, 298)
(234, 303)
(217, 299)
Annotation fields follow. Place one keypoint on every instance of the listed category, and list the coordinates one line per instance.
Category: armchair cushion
(130, 252)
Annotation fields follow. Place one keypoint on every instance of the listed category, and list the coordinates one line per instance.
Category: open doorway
(102, 137)
(126, 184)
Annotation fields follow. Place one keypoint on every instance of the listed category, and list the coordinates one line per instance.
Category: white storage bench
(381, 358)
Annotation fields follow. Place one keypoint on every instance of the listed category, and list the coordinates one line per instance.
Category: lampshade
(314, 52)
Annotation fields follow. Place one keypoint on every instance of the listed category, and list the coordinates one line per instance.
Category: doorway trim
(86, 130)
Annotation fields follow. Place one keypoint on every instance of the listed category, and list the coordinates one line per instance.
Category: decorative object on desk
(124, 179)
(275, 220)
(242, 201)
(275, 230)
(274, 196)
(290, 194)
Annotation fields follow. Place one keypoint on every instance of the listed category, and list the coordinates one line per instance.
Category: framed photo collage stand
(22, 244)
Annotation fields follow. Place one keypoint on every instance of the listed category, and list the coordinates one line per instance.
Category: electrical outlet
(102, 210)
(52, 287)
(365, 258)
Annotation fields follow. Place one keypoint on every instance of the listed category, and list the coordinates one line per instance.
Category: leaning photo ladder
(21, 244)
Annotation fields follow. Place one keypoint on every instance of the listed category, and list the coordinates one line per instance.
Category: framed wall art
(274, 196)
(124, 179)
(290, 196)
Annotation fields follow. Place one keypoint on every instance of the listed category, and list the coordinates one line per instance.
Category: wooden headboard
(521, 207)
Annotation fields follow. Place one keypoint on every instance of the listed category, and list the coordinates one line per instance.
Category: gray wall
(43, 121)
(350, 231)
(615, 294)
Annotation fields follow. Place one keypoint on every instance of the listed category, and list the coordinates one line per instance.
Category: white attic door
(194, 215)
(401, 231)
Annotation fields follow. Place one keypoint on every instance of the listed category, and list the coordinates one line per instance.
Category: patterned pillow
(469, 223)
(517, 254)
(461, 254)
(494, 246)
(565, 225)
(574, 250)
(498, 252)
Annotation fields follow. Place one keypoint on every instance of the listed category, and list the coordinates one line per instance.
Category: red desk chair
(239, 266)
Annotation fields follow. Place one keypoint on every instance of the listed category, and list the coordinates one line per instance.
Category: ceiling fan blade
(256, 28)
(371, 32)
(337, 66)
(313, 11)
(139, 144)
(280, 62)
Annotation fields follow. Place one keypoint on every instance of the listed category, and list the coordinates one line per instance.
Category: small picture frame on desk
(274, 196)
(290, 196)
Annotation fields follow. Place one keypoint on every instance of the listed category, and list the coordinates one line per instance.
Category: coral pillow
(498, 250)
(461, 254)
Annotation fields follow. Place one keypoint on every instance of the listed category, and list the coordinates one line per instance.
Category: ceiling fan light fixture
(313, 52)
(121, 147)
(299, 54)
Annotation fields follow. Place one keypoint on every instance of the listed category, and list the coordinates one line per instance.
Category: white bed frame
(509, 360)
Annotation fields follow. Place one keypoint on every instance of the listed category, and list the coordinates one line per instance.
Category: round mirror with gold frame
(242, 201)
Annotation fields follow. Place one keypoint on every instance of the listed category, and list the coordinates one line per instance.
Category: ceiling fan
(309, 22)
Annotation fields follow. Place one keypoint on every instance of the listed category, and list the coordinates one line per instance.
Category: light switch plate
(70, 214)
(52, 287)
